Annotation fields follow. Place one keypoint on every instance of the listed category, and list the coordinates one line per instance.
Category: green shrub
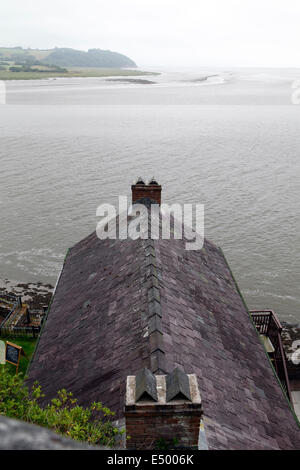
(161, 444)
(62, 414)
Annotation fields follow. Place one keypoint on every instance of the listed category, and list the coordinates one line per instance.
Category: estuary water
(228, 139)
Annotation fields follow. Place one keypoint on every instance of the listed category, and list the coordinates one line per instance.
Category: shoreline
(136, 81)
(75, 73)
(38, 294)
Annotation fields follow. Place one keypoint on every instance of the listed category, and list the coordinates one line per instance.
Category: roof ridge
(155, 331)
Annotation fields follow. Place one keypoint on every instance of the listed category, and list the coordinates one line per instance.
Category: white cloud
(162, 32)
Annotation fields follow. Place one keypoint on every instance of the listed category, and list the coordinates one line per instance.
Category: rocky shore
(136, 81)
(291, 343)
(38, 295)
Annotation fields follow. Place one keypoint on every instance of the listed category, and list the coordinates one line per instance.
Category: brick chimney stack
(162, 408)
(141, 190)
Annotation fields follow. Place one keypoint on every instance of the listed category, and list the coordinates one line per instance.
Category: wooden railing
(14, 303)
(8, 298)
(20, 331)
(9, 326)
(268, 324)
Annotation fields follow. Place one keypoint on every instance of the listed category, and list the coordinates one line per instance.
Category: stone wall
(16, 435)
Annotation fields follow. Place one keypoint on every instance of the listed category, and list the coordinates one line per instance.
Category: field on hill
(29, 64)
(11, 51)
(89, 72)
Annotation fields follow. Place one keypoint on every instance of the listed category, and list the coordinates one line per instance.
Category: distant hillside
(92, 58)
(65, 57)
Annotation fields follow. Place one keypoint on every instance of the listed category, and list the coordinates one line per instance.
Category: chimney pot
(140, 181)
(145, 386)
(178, 386)
(149, 420)
(142, 191)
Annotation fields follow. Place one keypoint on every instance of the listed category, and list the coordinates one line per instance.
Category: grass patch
(28, 345)
(78, 72)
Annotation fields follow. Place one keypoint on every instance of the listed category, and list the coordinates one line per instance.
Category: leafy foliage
(162, 444)
(63, 414)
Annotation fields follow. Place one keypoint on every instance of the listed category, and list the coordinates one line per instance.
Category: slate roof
(122, 305)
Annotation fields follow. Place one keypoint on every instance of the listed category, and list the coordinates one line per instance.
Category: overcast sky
(162, 32)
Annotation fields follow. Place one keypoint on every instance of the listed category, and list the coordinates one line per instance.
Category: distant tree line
(28, 68)
(92, 58)
(20, 60)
